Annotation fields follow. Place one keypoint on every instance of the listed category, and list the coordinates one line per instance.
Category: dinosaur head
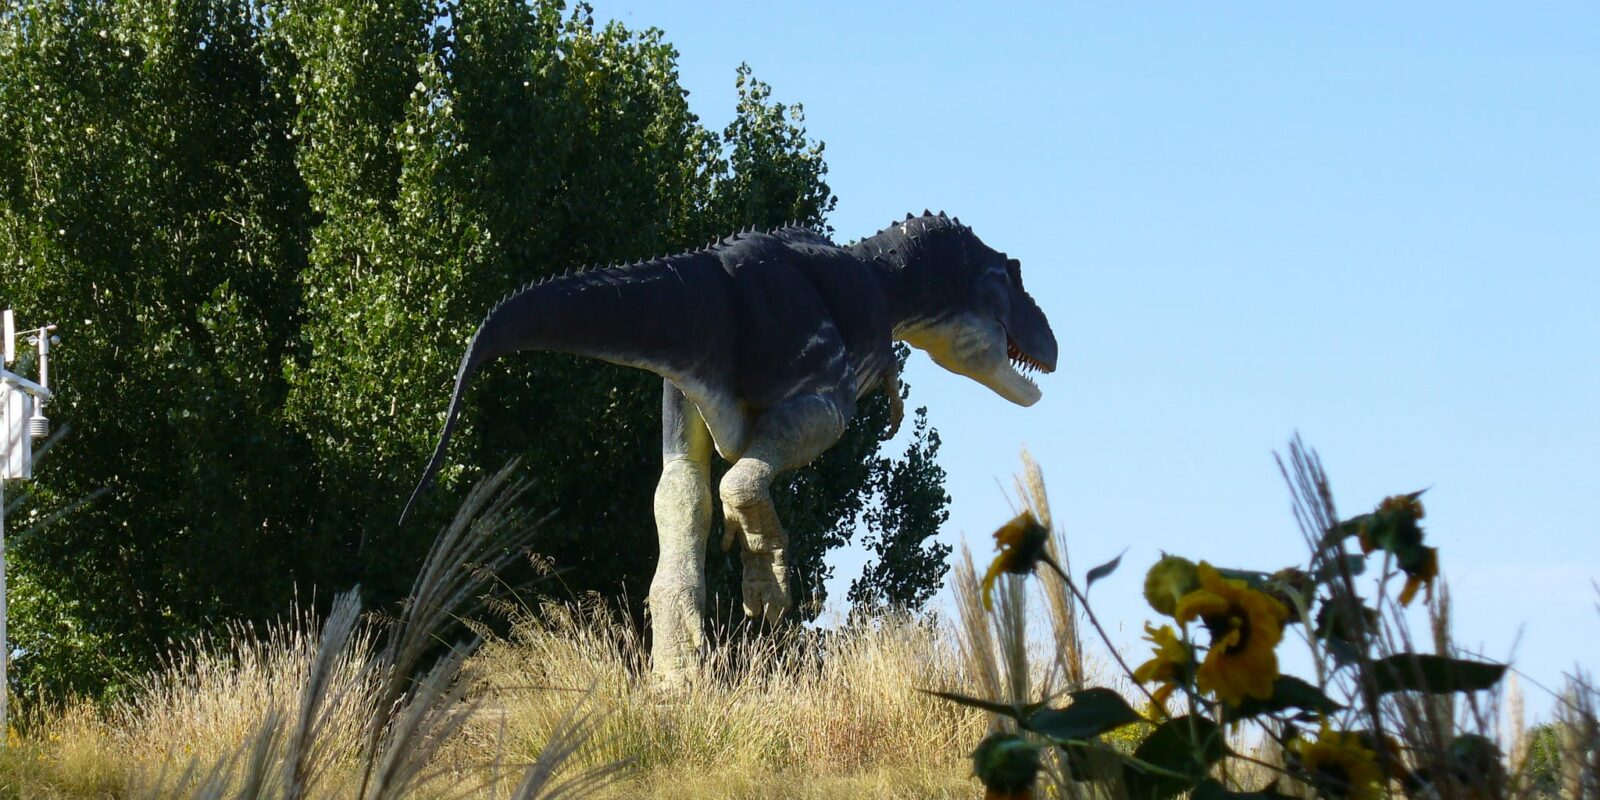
(963, 303)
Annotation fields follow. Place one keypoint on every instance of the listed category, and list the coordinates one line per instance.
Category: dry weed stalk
(1580, 739)
(373, 724)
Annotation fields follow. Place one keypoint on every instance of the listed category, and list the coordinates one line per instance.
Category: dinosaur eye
(1014, 270)
(992, 293)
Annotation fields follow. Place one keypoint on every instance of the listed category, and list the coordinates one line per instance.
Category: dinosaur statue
(765, 341)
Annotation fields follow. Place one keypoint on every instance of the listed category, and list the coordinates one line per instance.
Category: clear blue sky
(1378, 225)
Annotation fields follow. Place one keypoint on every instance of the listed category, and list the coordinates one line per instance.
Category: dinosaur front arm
(897, 404)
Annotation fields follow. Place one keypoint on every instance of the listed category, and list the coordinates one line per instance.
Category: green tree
(149, 204)
(906, 569)
(268, 229)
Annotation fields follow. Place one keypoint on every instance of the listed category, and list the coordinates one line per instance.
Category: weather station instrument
(22, 421)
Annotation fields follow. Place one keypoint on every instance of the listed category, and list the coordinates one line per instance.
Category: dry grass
(832, 714)
(369, 708)
(354, 709)
(828, 715)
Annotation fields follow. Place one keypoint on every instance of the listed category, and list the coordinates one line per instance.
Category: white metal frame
(21, 421)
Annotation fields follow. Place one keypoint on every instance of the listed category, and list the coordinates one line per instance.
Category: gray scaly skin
(765, 342)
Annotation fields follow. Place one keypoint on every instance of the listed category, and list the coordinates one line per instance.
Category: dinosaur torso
(811, 319)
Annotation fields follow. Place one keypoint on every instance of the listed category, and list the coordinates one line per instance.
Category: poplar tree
(267, 230)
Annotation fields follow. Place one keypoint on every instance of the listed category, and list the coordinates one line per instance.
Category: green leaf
(1348, 528)
(1343, 651)
(1330, 569)
(1255, 579)
(1103, 570)
(1092, 764)
(1432, 674)
(1288, 692)
(1015, 712)
(1092, 712)
(1182, 750)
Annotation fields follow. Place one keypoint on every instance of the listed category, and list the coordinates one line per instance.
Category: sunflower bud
(1007, 765)
(1021, 544)
(1168, 581)
(1293, 588)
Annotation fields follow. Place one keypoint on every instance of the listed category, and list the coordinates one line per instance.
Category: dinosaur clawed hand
(897, 410)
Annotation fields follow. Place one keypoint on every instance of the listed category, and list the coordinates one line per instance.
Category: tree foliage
(267, 230)
(906, 568)
(150, 205)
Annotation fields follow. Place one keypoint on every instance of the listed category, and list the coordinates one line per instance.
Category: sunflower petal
(1199, 603)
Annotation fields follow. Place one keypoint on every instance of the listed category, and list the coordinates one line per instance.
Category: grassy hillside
(564, 705)
(763, 723)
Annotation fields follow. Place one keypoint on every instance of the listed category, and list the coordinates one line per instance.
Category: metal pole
(5, 646)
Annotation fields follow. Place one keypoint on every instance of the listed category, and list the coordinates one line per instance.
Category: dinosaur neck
(910, 284)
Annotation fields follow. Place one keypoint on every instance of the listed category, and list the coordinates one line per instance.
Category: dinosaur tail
(474, 357)
(662, 315)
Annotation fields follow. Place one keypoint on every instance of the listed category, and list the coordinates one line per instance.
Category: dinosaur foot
(762, 541)
(765, 585)
(676, 631)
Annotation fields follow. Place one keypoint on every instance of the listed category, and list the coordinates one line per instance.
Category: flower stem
(1104, 637)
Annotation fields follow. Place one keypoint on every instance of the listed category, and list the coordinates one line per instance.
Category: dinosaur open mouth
(1021, 361)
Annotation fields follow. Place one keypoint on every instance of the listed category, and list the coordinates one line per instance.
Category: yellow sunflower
(1420, 576)
(1246, 626)
(1397, 515)
(1168, 581)
(1170, 666)
(1021, 546)
(1408, 504)
(1340, 765)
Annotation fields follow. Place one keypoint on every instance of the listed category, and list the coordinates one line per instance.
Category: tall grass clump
(411, 705)
(356, 707)
(811, 714)
(1386, 713)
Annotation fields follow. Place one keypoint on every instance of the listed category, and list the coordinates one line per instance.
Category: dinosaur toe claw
(765, 586)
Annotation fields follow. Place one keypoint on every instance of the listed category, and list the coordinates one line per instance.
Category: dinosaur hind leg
(785, 437)
(683, 521)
